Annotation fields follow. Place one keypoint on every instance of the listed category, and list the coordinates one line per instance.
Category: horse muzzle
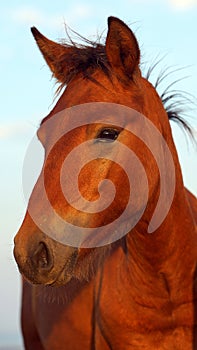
(42, 260)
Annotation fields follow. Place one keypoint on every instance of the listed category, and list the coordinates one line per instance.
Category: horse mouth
(58, 272)
(67, 272)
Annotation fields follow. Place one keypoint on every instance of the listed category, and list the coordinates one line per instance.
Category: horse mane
(174, 101)
(91, 55)
(85, 58)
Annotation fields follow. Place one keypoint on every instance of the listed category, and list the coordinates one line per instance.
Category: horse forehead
(101, 89)
(88, 90)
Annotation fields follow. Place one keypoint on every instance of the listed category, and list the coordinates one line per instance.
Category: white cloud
(33, 16)
(175, 4)
(80, 11)
(13, 130)
(183, 4)
(26, 15)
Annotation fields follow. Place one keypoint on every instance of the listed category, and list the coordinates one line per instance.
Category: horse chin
(61, 280)
(66, 274)
(56, 279)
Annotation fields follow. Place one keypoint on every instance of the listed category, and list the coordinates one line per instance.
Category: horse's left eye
(108, 135)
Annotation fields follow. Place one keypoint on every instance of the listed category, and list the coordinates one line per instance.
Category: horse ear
(54, 54)
(121, 48)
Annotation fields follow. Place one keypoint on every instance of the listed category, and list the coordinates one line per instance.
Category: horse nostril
(42, 258)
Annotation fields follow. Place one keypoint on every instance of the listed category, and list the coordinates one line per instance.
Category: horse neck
(171, 250)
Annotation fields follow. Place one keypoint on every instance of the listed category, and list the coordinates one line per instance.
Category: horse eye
(108, 135)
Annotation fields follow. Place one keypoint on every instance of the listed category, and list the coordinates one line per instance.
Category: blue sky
(163, 27)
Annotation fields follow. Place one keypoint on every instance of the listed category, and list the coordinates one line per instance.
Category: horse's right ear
(54, 54)
(122, 48)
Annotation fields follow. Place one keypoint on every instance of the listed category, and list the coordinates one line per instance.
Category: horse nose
(42, 258)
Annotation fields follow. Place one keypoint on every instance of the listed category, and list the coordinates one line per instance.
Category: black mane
(85, 58)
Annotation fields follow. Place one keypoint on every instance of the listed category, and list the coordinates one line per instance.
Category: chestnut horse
(137, 291)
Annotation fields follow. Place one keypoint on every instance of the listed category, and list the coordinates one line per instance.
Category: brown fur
(139, 292)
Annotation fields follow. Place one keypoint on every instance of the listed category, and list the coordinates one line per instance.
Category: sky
(164, 28)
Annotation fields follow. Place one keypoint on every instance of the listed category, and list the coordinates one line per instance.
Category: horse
(128, 284)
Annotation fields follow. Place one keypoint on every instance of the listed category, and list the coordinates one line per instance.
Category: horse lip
(66, 273)
(39, 279)
(60, 279)
(34, 277)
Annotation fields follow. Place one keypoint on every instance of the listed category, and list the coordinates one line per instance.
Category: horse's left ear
(122, 48)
